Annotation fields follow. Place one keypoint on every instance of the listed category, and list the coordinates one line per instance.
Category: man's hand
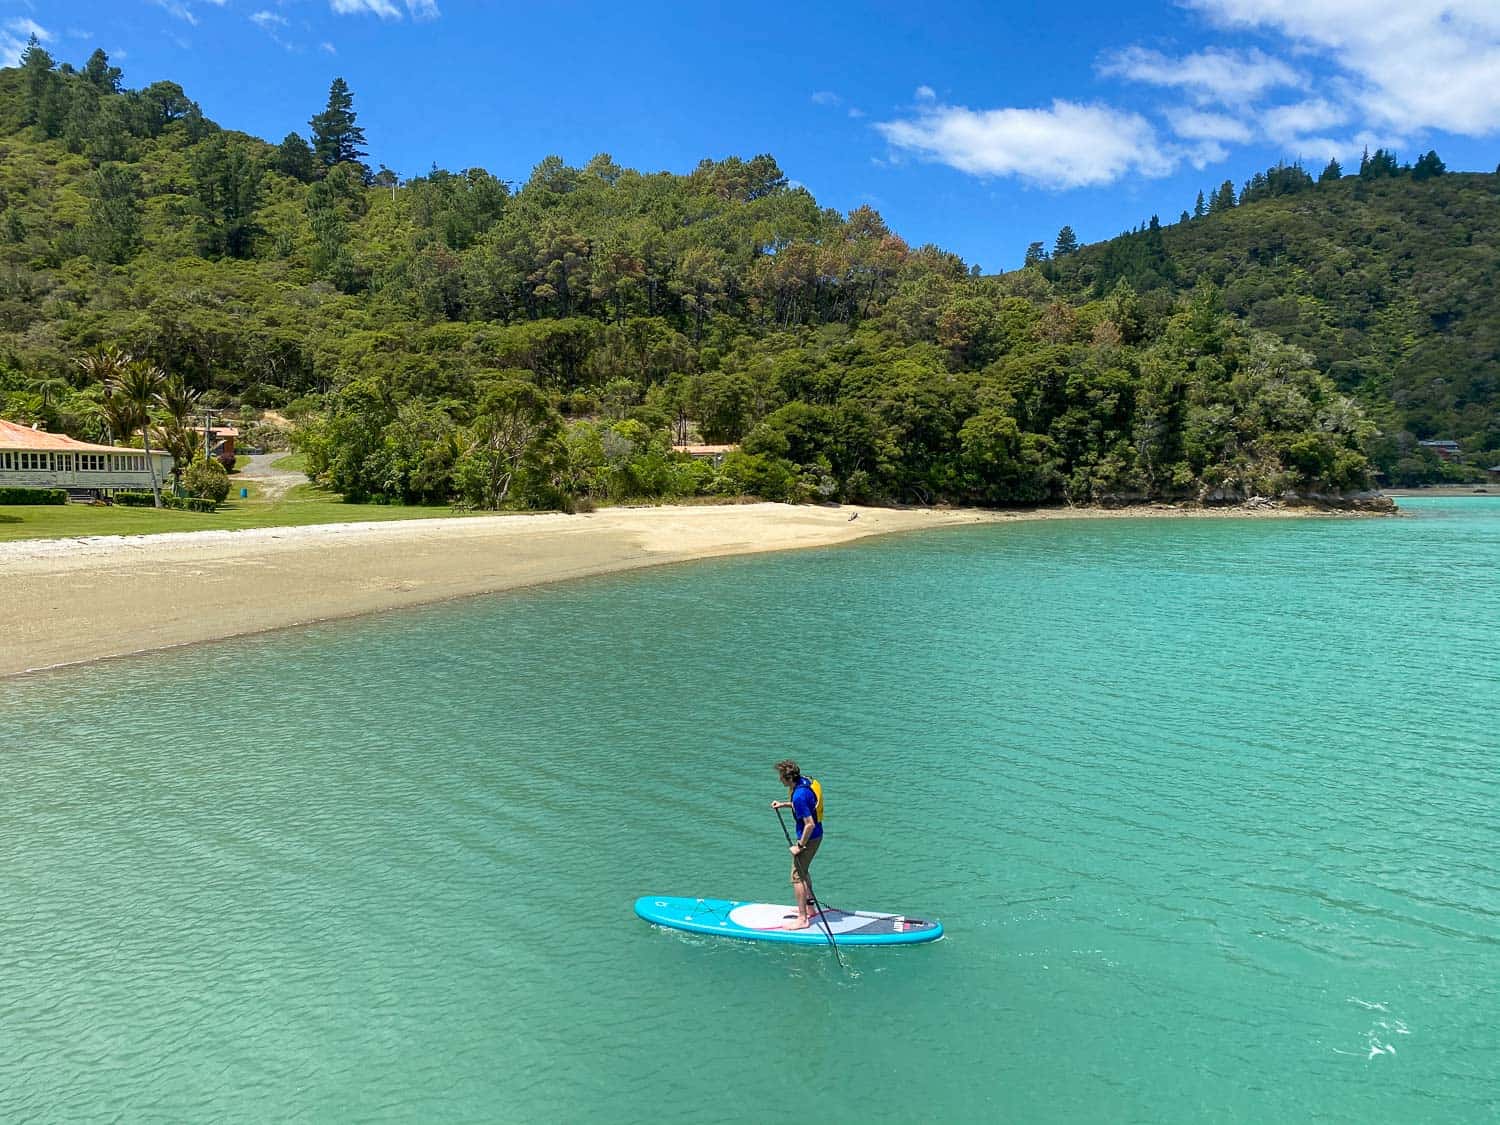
(781, 804)
(796, 849)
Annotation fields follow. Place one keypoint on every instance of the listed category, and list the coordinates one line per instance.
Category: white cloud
(267, 21)
(826, 97)
(14, 36)
(1212, 75)
(29, 27)
(1413, 64)
(1197, 125)
(1066, 146)
(329, 47)
(180, 10)
(386, 9)
(925, 94)
(856, 112)
(1288, 124)
(1204, 153)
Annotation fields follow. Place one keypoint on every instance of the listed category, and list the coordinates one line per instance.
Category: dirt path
(273, 483)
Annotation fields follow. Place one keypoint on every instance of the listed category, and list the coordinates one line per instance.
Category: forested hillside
(461, 337)
(1389, 277)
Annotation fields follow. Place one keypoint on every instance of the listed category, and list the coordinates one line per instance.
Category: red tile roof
(13, 435)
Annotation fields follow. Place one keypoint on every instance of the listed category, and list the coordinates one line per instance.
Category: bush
(190, 503)
(756, 474)
(33, 496)
(207, 478)
(264, 437)
(178, 503)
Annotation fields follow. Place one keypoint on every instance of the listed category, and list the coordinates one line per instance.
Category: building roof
(219, 431)
(1446, 444)
(13, 435)
(705, 450)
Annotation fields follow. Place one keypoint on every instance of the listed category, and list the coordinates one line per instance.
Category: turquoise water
(1209, 809)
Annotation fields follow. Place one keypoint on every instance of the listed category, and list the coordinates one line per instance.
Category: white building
(36, 459)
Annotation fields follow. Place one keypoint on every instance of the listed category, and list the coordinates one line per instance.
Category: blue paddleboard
(764, 921)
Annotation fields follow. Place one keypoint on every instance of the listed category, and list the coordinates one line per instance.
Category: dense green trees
(1388, 280)
(455, 338)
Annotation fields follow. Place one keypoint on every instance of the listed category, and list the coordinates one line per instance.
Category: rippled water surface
(1210, 809)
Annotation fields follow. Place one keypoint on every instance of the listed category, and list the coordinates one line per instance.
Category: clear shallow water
(1209, 810)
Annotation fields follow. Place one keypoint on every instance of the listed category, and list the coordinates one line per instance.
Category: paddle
(807, 882)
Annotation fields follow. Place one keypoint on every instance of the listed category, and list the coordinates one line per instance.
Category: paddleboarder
(804, 805)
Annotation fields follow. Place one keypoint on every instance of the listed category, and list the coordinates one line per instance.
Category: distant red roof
(13, 435)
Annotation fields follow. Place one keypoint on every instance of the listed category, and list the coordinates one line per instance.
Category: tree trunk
(150, 464)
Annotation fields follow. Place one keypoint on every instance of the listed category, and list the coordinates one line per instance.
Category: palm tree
(103, 369)
(118, 414)
(180, 403)
(104, 366)
(47, 386)
(139, 385)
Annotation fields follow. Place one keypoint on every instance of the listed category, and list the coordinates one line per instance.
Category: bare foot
(800, 924)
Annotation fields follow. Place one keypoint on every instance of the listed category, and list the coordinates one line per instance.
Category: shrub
(207, 478)
(33, 496)
(178, 503)
(191, 503)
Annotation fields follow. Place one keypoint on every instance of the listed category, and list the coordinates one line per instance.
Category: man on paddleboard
(804, 806)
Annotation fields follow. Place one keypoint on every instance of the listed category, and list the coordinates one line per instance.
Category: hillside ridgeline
(454, 337)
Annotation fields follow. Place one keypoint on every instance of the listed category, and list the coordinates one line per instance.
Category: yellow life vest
(817, 788)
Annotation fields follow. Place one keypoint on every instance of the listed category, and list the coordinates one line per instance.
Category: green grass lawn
(305, 504)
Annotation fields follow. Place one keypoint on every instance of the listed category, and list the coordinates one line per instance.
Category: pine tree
(337, 138)
(1185, 218)
(1035, 254)
(97, 72)
(294, 158)
(1200, 208)
(1379, 164)
(1333, 173)
(1428, 166)
(1067, 243)
(1223, 199)
(42, 106)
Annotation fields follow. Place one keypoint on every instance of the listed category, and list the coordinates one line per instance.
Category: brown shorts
(806, 857)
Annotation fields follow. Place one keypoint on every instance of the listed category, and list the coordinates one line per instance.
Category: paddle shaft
(811, 897)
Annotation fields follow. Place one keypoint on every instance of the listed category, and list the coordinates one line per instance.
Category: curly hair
(789, 771)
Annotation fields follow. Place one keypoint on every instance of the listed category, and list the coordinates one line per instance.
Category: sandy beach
(65, 601)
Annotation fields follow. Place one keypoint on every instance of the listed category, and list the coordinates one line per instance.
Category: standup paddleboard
(764, 921)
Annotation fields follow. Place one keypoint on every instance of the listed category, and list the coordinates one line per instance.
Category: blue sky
(979, 127)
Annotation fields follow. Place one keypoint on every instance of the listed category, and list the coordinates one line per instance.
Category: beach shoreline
(72, 601)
